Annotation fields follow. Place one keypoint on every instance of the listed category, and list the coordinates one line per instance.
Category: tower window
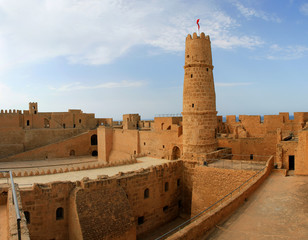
(79, 120)
(165, 208)
(140, 220)
(28, 122)
(207, 69)
(178, 182)
(59, 213)
(191, 76)
(166, 186)
(187, 56)
(63, 125)
(146, 193)
(251, 156)
(193, 105)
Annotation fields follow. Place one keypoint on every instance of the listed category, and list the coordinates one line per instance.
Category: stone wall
(104, 211)
(120, 144)
(129, 205)
(301, 155)
(211, 184)
(198, 228)
(79, 145)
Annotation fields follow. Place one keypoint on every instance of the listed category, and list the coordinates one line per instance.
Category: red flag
(198, 24)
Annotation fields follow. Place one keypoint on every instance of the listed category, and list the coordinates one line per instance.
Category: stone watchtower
(199, 101)
(33, 108)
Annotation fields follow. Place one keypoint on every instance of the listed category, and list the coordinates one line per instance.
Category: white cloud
(304, 9)
(78, 86)
(98, 32)
(287, 53)
(250, 12)
(233, 84)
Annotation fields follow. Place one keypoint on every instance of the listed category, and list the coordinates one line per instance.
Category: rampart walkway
(277, 210)
(143, 162)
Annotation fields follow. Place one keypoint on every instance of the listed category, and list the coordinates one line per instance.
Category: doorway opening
(291, 162)
(176, 153)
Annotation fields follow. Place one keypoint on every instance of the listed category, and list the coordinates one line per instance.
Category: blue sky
(116, 57)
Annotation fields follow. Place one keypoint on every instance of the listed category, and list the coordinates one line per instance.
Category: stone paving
(143, 162)
(278, 210)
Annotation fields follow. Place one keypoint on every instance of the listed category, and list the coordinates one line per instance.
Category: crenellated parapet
(10, 111)
(259, 126)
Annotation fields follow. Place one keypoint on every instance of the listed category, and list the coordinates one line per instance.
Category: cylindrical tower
(199, 101)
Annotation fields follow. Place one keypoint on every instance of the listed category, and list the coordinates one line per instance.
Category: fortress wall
(71, 119)
(12, 220)
(16, 140)
(10, 120)
(35, 138)
(166, 123)
(104, 211)
(120, 144)
(202, 225)
(211, 184)
(301, 156)
(42, 202)
(255, 128)
(288, 148)
(125, 141)
(162, 205)
(159, 143)
(105, 142)
(11, 141)
(81, 144)
(117, 202)
(74, 228)
(257, 146)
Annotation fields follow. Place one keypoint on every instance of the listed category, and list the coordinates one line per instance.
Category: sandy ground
(278, 210)
(77, 175)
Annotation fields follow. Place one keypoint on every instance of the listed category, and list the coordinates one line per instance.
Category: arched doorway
(176, 153)
(94, 140)
(94, 153)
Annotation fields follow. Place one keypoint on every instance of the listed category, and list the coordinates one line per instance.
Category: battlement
(10, 111)
(283, 117)
(195, 36)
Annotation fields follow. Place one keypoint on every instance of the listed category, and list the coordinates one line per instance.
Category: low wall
(12, 220)
(199, 227)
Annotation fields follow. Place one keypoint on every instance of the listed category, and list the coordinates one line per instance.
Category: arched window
(94, 153)
(94, 140)
(72, 153)
(27, 216)
(146, 193)
(59, 213)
